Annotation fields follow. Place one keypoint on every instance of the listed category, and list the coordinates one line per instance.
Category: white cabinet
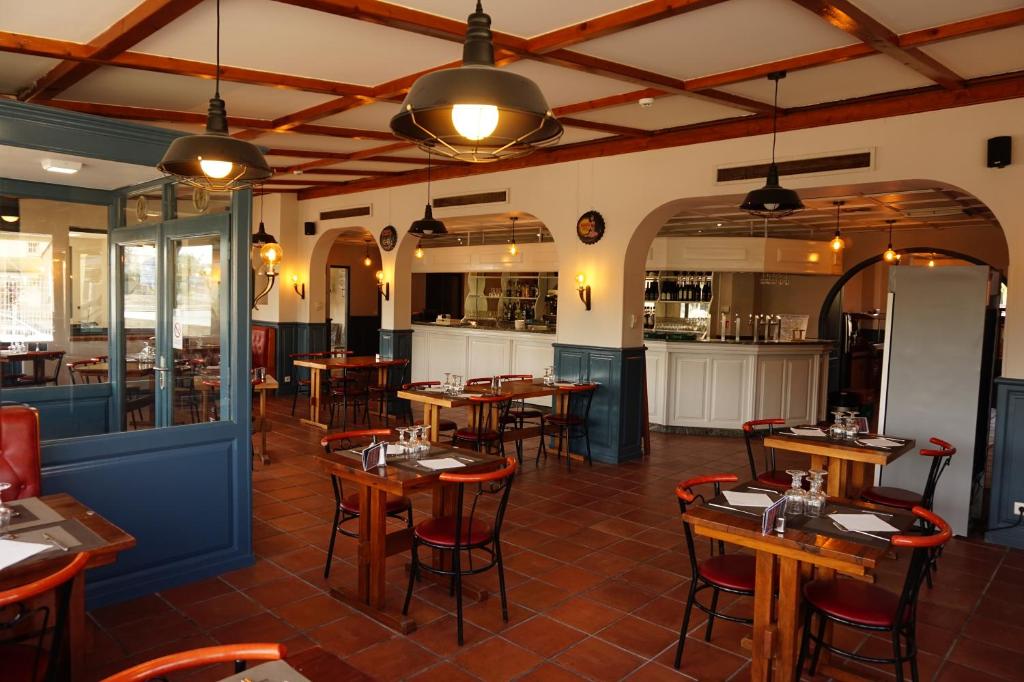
(656, 361)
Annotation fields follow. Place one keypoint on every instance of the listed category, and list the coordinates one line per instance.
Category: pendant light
(419, 252)
(265, 249)
(773, 200)
(367, 261)
(931, 261)
(890, 255)
(476, 112)
(428, 225)
(10, 210)
(513, 249)
(837, 243)
(214, 160)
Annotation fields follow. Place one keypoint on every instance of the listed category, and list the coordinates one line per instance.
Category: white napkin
(812, 431)
(12, 551)
(864, 522)
(441, 463)
(747, 499)
(880, 442)
(395, 449)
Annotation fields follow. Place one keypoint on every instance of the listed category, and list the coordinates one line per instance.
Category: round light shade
(10, 209)
(428, 225)
(772, 200)
(214, 160)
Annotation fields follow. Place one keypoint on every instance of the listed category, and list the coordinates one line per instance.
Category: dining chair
(443, 425)
(754, 433)
(461, 535)
(19, 451)
(866, 606)
(239, 654)
(489, 429)
(386, 394)
(347, 507)
(26, 655)
(908, 499)
(573, 423)
(521, 411)
(351, 390)
(731, 573)
(30, 379)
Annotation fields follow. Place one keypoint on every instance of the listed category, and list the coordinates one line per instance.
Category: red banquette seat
(264, 348)
(19, 451)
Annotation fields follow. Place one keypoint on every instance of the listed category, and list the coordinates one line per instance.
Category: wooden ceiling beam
(977, 91)
(847, 17)
(603, 127)
(143, 21)
(960, 29)
(605, 102)
(613, 22)
(353, 156)
(806, 61)
(347, 172)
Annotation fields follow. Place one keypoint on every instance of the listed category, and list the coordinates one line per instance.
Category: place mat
(274, 671)
(31, 511)
(71, 533)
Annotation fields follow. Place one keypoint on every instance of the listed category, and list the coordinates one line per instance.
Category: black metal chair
(405, 407)
(754, 433)
(489, 430)
(572, 423)
(351, 390)
(522, 412)
(386, 395)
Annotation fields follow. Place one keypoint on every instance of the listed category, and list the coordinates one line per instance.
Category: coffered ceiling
(316, 81)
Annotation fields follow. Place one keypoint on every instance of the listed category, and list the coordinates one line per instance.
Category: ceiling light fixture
(476, 112)
(10, 209)
(890, 255)
(773, 200)
(265, 254)
(214, 160)
(837, 243)
(367, 261)
(419, 252)
(428, 225)
(513, 249)
(61, 166)
(931, 261)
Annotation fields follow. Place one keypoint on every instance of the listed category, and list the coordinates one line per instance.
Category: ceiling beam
(603, 127)
(847, 17)
(967, 27)
(346, 172)
(806, 61)
(977, 91)
(143, 21)
(613, 22)
(612, 101)
(353, 156)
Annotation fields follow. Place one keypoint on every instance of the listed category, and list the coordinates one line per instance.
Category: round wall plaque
(590, 227)
(388, 238)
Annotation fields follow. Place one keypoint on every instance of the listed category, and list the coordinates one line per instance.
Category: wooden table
(376, 543)
(784, 560)
(260, 423)
(115, 541)
(38, 359)
(318, 365)
(847, 462)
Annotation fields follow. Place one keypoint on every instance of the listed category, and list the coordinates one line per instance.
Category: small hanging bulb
(419, 252)
(931, 262)
(367, 261)
(512, 248)
(890, 255)
(837, 242)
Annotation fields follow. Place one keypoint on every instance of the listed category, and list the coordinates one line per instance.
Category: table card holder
(771, 515)
(374, 456)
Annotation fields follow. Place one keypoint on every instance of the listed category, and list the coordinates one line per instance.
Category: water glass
(815, 502)
(837, 431)
(796, 496)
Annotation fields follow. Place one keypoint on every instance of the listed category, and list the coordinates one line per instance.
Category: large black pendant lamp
(215, 161)
(773, 200)
(476, 112)
(428, 225)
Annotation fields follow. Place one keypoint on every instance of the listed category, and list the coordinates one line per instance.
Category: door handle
(163, 374)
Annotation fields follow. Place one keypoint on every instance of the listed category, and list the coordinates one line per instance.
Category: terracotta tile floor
(597, 576)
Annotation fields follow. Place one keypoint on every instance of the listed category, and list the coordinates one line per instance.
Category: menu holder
(374, 456)
(771, 515)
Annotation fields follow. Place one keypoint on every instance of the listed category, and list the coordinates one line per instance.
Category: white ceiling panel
(523, 17)
(277, 37)
(317, 142)
(63, 19)
(567, 86)
(726, 36)
(573, 135)
(984, 54)
(18, 71)
(112, 85)
(376, 116)
(846, 80)
(26, 164)
(376, 165)
(902, 16)
(667, 112)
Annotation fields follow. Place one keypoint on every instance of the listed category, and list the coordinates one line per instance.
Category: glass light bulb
(216, 169)
(270, 253)
(475, 121)
(889, 255)
(771, 206)
(513, 249)
(931, 262)
(837, 243)
(419, 252)
(380, 276)
(367, 262)
(580, 279)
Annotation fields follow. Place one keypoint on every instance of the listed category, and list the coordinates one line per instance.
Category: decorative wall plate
(388, 238)
(141, 208)
(590, 227)
(200, 199)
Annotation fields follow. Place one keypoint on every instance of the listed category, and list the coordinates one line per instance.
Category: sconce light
(300, 289)
(269, 252)
(584, 290)
(383, 287)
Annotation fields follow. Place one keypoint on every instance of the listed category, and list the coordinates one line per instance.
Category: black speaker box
(310, 228)
(999, 151)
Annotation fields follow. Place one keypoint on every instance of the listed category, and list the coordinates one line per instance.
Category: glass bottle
(796, 496)
(815, 502)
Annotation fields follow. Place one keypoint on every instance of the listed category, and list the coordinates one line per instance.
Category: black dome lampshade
(476, 112)
(214, 160)
(428, 225)
(773, 200)
(10, 211)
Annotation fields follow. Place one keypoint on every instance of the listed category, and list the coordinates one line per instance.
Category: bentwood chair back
(732, 573)
(239, 654)
(27, 656)
(754, 433)
(19, 451)
(347, 507)
(465, 534)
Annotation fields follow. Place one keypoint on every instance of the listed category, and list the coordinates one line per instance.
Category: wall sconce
(383, 287)
(299, 289)
(584, 290)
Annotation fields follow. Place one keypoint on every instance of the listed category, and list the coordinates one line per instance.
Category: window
(26, 287)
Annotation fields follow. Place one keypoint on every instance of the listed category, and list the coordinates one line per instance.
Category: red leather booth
(19, 451)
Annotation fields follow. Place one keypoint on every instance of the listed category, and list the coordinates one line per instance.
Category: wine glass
(796, 496)
(6, 513)
(852, 429)
(814, 504)
(837, 431)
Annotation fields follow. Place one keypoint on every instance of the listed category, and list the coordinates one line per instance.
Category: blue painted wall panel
(1007, 463)
(67, 411)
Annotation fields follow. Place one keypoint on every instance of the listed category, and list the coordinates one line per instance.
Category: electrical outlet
(288, 379)
(1018, 508)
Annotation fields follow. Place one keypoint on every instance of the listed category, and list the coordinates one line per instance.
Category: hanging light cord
(775, 115)
(217, 86)
(428, 178)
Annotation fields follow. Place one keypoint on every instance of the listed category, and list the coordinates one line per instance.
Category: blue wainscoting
(616, 419)
(1007, 463)
(295, 337)
(68, 411)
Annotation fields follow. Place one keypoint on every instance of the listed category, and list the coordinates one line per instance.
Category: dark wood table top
(31, 355)
(839, 449)
(346, 362)
(516, 390)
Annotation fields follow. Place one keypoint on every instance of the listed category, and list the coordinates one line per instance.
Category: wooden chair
(443, 426)
(461, 535)
(491, 419)
(19, 451)
(22, 660)
(571, 424)
(866, 606)
(732, 573)
(238, 654)
(754, 432)
(347, 508)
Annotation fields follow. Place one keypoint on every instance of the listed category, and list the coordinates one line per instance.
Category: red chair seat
(563, 419)
(442, 531)
(526, 413)
(734, 571)
(472, 435)
(853, 601)
(892, 497)
(395, 503)
(779, 479)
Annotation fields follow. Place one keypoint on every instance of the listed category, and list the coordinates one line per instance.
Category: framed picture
(388, 238)
(590, 227)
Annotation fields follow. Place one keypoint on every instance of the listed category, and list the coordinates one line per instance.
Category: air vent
(821, 164)
(498, 197)
(353, 212)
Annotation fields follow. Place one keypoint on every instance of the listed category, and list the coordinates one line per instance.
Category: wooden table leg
(263, 428)
(378, 544)
(364, 553)
(314, 395)
(764, 629)
(835, 485)
(857, 477)
(788, 618)
(445, 499)
(76, 628)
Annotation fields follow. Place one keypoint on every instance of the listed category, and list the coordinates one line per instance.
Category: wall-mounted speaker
(999, 151)
(310, 228)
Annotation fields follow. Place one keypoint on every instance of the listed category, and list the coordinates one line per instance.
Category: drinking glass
(852, 430)
(414, 440)
(422, 435)
(837, 431)
(447, 381)
(6, 513)
(402, 432)
(815, 502)
(796, 496)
